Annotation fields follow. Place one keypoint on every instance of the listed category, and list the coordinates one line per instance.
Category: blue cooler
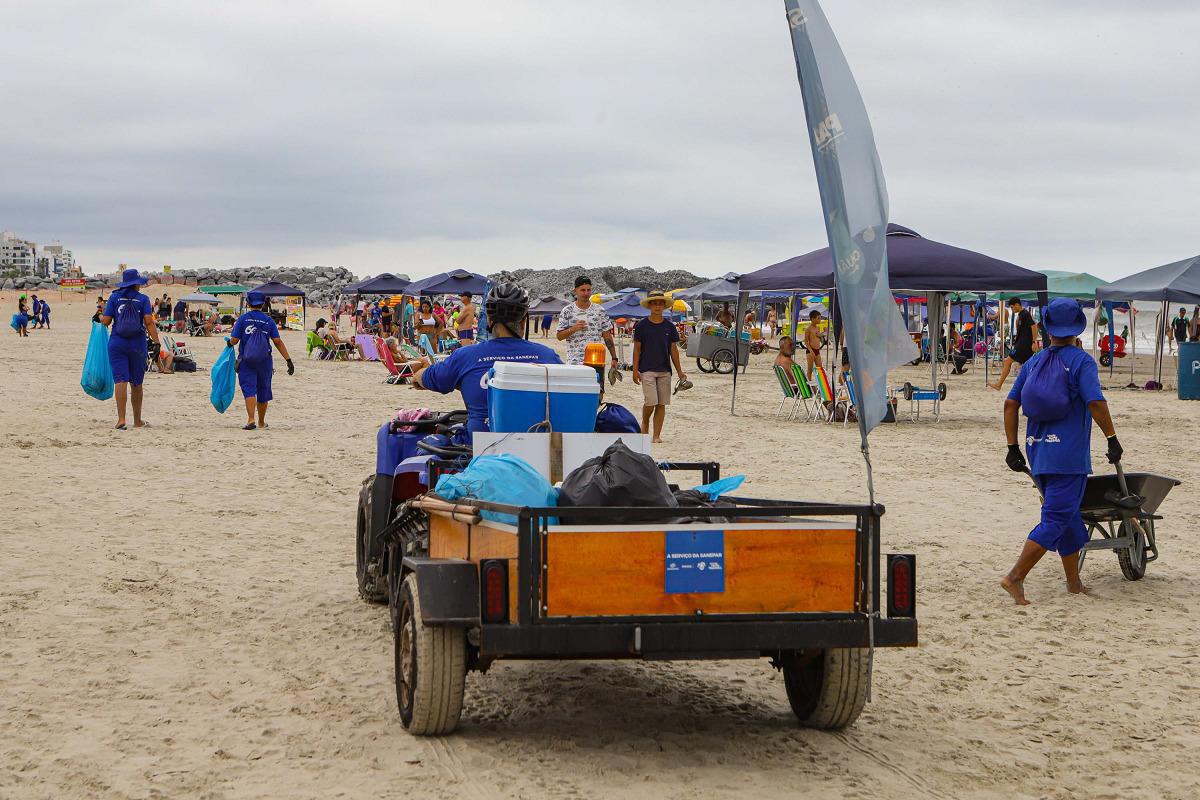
(517, 394)
(1189, 370)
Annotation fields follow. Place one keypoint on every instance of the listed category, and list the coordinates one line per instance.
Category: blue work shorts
(255, 379)
(1061, 529)
(128, 359)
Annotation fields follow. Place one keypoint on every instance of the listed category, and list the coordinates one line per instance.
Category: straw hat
(656, 295)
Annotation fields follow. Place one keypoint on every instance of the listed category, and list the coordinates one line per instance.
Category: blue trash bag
(723, 486)
(503, 478)
(97, 379)
(613, 418)
(224, 380)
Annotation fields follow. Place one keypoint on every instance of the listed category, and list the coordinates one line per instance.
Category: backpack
(128, 320)
(1046, 395)
(613, 418)
(256, 342)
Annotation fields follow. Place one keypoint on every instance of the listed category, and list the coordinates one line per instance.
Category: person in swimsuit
(787, 352)
(813, 342)
(464, 324)
(1023, 342)
(427, 321)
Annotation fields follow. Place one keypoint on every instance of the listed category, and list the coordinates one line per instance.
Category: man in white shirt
(583, 322)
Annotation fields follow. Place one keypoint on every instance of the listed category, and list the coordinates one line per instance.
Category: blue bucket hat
(1063, 318)
(131, 277)
(255, 298)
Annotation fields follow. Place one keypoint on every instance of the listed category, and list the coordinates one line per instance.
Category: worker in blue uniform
(507, 307)
(1059, 391)
(131, 315)
(255, 332)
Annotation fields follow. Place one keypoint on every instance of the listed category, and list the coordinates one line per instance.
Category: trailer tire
(1132, 559)
(722, 361)
(431, 668)
(827, 689)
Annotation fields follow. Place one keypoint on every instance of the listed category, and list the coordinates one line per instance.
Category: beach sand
(178, 614)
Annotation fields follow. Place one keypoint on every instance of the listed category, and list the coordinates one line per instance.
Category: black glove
(291, 367)
(228, 343)
(1115, 451)
(1015, 458)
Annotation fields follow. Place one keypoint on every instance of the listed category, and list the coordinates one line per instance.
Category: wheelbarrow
(1119, 513)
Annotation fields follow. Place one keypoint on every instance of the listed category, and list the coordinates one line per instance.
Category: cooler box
(517, 394)
(1189, 370)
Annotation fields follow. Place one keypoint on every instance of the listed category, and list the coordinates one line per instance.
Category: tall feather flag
(854, 201)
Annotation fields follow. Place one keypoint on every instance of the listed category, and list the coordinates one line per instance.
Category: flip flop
(249, 427)
(120, 427)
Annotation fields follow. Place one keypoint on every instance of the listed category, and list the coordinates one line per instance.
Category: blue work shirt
(113, 307)
(254, 331)
(467, 367)
(1064, 446)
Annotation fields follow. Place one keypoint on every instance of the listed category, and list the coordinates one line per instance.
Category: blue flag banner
(855, 204)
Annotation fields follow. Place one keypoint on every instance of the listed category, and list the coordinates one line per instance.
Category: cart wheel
(431, 668)
(941, 391)
(1105, 360)
(908, 390)
(702, 366)
(1133, 558)
(827, 688)
(722, 361)
(371, 585)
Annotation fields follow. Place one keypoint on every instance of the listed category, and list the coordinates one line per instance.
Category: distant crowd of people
(37, 313)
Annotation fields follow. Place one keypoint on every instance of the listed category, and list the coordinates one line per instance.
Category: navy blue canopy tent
(723, 289)
(456, 281)
(547, 305)
(277, 289)
(629, 307)
(914, 264)
(384, 283)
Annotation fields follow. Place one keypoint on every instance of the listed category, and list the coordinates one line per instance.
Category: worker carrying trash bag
(1059, 390)
(255, 332)
(506, 307)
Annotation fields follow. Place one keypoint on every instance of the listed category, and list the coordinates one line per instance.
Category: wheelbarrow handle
(1121, 479)
(1036, 485)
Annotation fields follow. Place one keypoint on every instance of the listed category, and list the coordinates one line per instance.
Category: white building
(61, 259)
(16, 252)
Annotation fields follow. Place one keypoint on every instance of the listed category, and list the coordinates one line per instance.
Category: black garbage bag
(619, 477)
(693, 498)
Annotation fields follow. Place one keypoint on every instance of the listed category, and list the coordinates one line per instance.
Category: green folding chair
(804, 393)
(788, 393)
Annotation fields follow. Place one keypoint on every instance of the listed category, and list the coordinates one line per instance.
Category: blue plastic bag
(722, 486)
(1046, 395)
(224, 380)
(503, 478)
(97, 379)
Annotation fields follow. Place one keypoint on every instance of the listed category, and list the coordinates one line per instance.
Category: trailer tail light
(493, 582)
(902, 585)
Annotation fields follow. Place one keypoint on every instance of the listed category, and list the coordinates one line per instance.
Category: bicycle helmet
(507, 304)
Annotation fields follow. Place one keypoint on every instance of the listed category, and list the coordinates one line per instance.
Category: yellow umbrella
(681, 305)
(596, 299)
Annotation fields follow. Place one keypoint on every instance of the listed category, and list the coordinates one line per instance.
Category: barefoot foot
(1016, 589)
(1078, 588)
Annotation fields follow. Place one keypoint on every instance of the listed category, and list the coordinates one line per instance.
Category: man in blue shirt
(1059, 389)
(255, 332)
(131, 315)
(655, 350)
(466, 369)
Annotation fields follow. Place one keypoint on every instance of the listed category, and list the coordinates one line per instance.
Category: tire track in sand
(918, 783)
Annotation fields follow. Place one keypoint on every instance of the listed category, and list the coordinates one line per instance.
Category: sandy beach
(179, 619)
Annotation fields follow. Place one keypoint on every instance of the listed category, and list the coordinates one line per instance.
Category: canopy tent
(721, 290)
(456, 281)
(548, 305)
(914, 264)
(1059, 283)
(628, 306)
(224, 288)
(383, 283)
(1178, 282)
(277, 289)
(227, 305)
(201, 297)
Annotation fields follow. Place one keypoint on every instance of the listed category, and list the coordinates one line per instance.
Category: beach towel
(97, 378)
(224, 380)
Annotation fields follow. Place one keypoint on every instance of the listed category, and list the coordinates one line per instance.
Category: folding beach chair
(788, 392)
(397, 373)
(315, 344)
(824, 392)
(178, 349)
(847, 398)
(804, 393)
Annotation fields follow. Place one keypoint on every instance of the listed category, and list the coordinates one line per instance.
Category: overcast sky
(418, 136)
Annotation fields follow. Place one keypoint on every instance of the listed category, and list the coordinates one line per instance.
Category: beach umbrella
(201, 297)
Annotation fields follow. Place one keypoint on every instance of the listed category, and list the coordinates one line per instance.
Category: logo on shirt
(1052, 438)
(251, 329)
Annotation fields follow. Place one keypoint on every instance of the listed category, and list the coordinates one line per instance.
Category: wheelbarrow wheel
(704, 365)
(1105, 360)
(722, 361)
(1133, 558)
(827, 688)
(431, 668)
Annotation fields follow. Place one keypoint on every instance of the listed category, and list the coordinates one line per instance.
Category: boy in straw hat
(655, 350)
(1059, 390)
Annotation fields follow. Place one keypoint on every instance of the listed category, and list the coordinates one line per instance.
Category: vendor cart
(715, 353)
(798, 583)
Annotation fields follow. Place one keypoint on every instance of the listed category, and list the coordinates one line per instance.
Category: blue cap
(1063, 318)
(255, 298)
(131, 277)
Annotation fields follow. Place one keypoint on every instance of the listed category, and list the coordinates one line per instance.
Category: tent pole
(1133, 346)
(737, 345)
